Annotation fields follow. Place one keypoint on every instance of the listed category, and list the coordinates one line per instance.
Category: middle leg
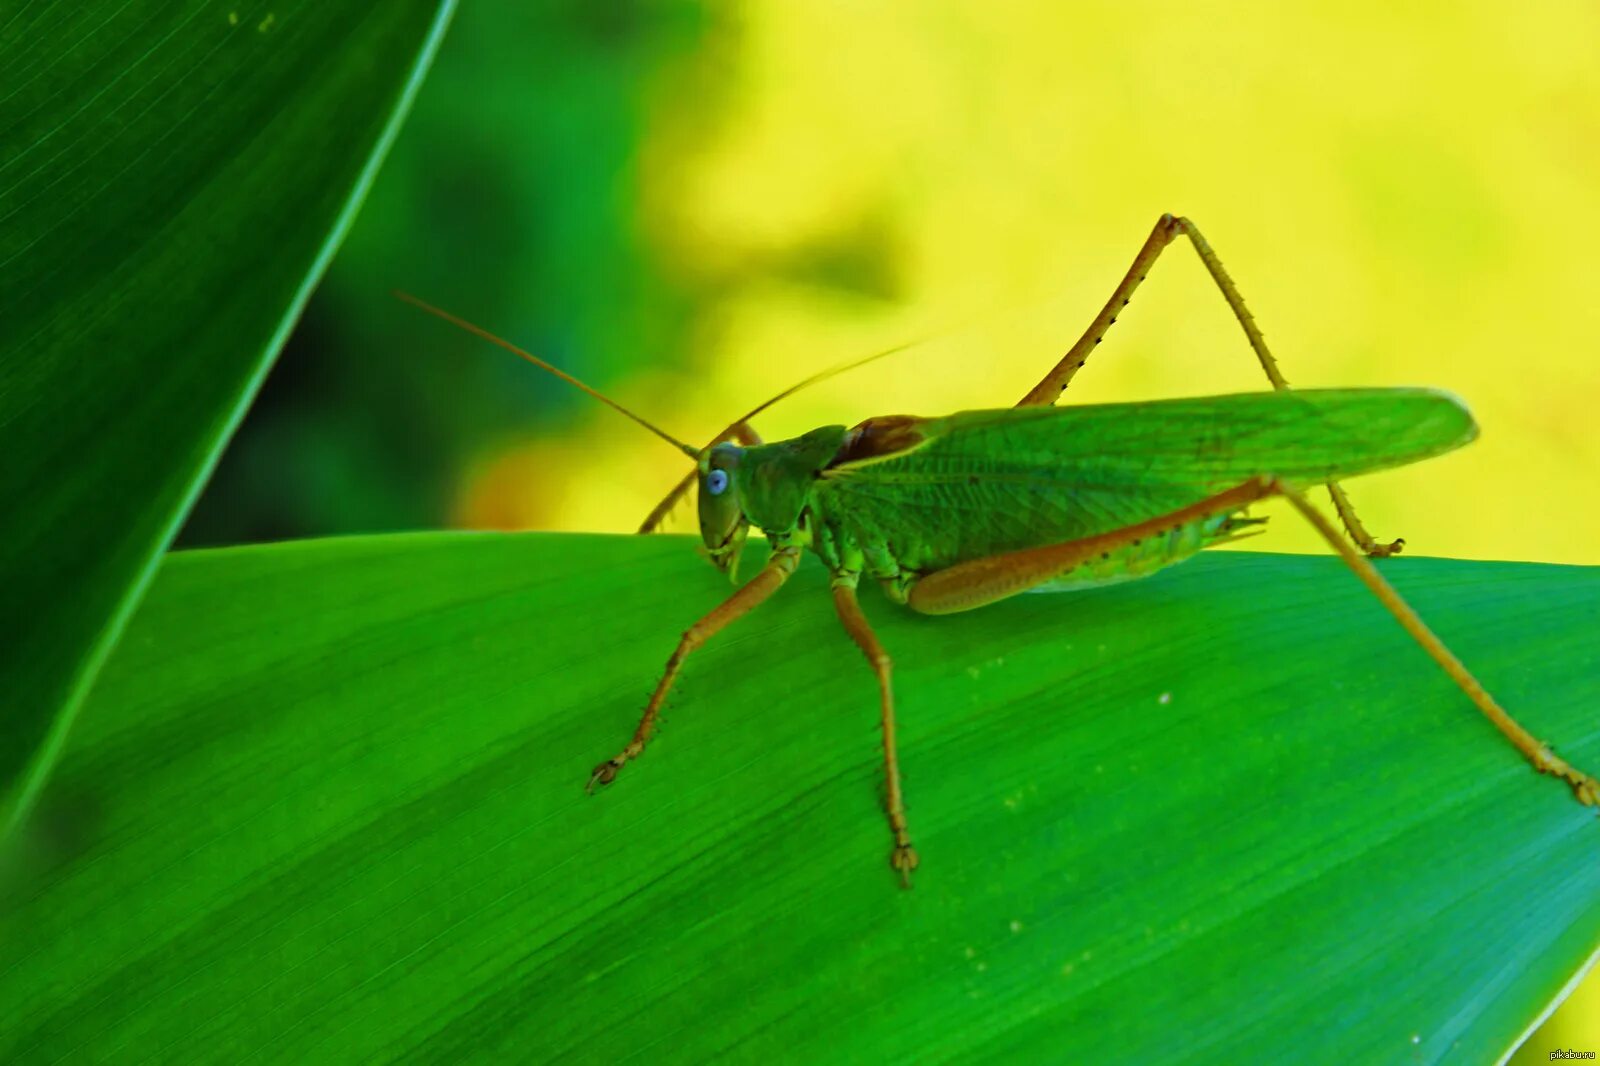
(904, 857)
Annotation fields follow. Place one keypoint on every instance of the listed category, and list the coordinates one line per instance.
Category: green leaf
(327, 803)
(173, 179)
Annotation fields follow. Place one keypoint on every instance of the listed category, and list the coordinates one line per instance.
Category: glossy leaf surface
(327, 802)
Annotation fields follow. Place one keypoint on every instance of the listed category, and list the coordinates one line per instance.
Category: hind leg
(1167, 229)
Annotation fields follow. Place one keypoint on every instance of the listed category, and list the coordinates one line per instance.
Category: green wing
(979, 482)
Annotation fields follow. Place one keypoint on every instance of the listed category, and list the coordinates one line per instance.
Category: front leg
(745, 600)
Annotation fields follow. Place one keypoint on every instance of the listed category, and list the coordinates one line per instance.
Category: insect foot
(1586, 788)
(605, 773)
(1383, 551)
(904, 859)
(1588, 792)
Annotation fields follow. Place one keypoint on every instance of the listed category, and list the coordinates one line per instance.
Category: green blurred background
(692, 205)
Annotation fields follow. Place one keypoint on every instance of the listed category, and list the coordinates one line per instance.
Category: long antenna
(658, 515)
(479, 331)
(821, 375)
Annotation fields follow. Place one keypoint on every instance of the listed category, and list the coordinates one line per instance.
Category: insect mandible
(1039, 496)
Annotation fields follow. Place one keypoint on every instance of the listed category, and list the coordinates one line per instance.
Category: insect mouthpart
(725, 554)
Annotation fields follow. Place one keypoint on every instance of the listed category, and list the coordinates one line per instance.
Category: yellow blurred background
(1401, 197)
(1402, 193)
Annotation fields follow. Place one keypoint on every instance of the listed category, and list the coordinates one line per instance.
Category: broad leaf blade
(173, 179)
(327, 802)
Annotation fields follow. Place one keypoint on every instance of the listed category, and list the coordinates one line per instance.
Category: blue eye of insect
(717, 482)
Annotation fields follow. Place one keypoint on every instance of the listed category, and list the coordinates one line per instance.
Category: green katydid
(958, 512)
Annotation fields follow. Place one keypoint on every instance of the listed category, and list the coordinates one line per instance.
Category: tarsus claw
(904, 859)
(1383, 551)
(603, 774)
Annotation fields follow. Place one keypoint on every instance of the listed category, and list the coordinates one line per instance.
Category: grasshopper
(952, 513)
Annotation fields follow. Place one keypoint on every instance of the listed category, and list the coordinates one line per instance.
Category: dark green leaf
(173, 179)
